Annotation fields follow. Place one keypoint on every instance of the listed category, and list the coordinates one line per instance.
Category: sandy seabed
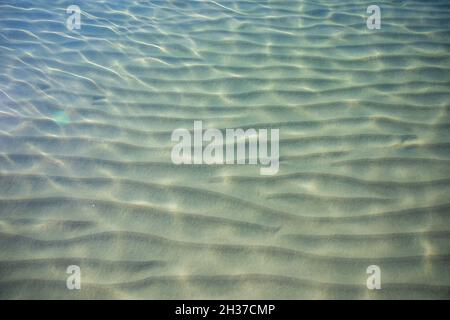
(86, 176)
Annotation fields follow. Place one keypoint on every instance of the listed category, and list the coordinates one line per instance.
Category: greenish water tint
(86, 176)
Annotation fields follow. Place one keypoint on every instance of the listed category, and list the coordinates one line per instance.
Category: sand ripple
(85, 170)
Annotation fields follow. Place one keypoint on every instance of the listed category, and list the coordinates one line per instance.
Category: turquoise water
(86, 176)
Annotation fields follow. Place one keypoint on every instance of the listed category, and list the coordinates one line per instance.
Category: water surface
(86, 176)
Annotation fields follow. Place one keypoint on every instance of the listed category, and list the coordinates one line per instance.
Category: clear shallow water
(86, 175)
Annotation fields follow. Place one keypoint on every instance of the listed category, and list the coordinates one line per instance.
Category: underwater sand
(86, 176)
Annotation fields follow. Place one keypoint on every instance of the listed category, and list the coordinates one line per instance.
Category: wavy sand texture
(86, 176)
